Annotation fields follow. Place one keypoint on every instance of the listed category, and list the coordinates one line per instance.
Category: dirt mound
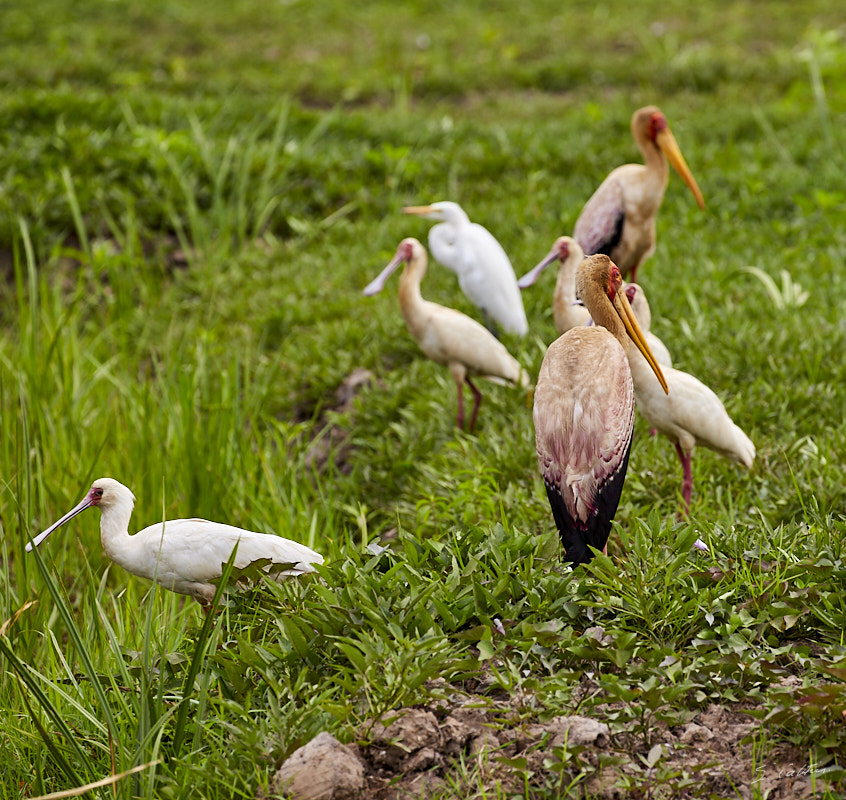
(471, 743)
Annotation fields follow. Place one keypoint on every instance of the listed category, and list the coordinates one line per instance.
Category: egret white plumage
(619, 218)
(183, 555)
(584, 411)
(445, 335)
(484, 271)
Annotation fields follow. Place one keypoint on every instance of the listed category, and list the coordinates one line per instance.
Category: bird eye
(98, 492)
(631, 292)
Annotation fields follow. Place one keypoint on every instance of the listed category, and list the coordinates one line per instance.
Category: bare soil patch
(472, 743)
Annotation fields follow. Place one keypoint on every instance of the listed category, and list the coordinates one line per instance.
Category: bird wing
(484, 271)
(692, 414)
(193, 550)
(489, 281)
(443, 239)
(599, 227)
(450, 336)
(584, 414)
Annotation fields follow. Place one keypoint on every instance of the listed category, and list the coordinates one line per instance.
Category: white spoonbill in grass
(183, 555)
(619, 218)
(445, 335)
(484, 272)
(584, 411)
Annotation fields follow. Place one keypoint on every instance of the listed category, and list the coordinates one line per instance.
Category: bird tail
(745, 452)
(573, 539)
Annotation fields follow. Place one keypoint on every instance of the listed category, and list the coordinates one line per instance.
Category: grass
(191, 201)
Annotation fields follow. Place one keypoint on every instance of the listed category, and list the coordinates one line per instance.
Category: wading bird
(619, 219)
(569, 312)
(566, 310)
(484, 272)
(445, 335)
(691, 414)
(640, 308)
(584, 411)
(183, 555)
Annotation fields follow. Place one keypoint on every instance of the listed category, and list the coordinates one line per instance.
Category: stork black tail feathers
(573, 537)
(578, 538)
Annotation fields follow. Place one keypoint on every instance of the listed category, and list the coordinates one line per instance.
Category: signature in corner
(792, 772)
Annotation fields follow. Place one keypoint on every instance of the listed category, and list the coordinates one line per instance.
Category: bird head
(442, 211)
(104, 492)
(650, 123)
(409, 250)
(565, 249)
(598, 275)
(640, 305)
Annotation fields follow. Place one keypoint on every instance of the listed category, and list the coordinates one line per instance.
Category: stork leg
(633, 277)
(687, 483)
(477, 401)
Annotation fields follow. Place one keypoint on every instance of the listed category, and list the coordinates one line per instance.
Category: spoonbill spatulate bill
(445, 335)
(183, 555)
(566, 310)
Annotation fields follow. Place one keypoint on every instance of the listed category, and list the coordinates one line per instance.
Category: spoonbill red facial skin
(584, 411)
(566, 310)
(484, 271)
(445, 335)
(690, 415)
(619, 218)
(183, 555)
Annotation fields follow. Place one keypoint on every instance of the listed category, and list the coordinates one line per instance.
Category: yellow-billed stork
(619, 218)
(584, 411)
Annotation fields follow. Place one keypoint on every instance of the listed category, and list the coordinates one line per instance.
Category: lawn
(193, 196)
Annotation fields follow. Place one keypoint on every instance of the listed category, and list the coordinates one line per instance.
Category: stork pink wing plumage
(600, 225)
(583, 414)
(584, 411)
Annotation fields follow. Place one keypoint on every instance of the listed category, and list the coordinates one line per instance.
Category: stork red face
(657, 123)
(631, 291)
(615, 281)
